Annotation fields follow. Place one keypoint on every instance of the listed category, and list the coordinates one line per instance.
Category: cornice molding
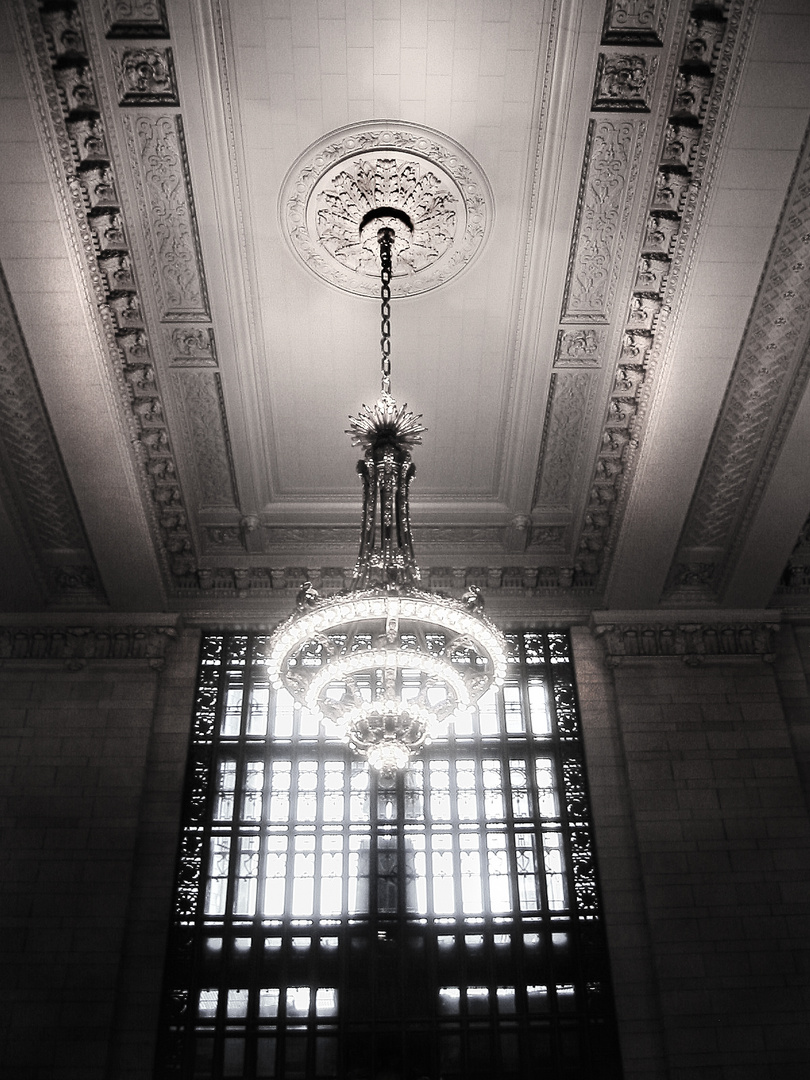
(42, 496)
(770, 376)
(73, 644)
(694, 637)
(689, 135)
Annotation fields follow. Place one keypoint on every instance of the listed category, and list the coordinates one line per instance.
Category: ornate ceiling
(603, 312)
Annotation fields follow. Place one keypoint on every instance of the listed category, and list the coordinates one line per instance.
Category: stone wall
(714, 822)
(701, 822)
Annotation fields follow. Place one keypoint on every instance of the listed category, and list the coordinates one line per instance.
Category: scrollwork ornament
(421, 175)
(145, 76)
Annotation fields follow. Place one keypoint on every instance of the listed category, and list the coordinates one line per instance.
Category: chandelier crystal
(386, 663)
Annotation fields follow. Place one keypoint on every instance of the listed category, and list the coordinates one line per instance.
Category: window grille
(439, 924)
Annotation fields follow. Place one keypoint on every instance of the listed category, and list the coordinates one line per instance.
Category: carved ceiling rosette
(418, 173)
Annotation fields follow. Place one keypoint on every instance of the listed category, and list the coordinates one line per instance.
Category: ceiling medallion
(422, 176)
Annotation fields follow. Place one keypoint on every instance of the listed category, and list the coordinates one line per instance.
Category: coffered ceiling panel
(599, 311)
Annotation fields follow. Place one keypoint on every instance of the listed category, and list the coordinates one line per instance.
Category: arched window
(441, 923)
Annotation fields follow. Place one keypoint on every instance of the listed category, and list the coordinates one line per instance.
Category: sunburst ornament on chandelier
(386, 663)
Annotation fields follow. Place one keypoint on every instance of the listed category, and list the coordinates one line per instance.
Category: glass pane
(226, 786)
(254, 783)
(258, 711)
(217, 889)
(268, 1002)
(538, 707)
(232, 713)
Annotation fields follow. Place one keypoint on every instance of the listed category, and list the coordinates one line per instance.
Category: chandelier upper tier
(386, 663)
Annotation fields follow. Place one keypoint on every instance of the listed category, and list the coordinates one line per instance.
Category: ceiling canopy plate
(353, 174)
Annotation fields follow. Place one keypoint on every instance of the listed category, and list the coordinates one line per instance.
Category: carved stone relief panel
(164, 190)
(770, 373)
(579, 346)
(190, 346)
(569, 401)
(145, 76)
(696, 85)
(608, 185)
(624, 82)
(39, 487)
(204, 411)
(639, 22)
(80, 143)
(695, 642)
(136, 18)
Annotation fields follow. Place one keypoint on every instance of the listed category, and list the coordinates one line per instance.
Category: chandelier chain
(385, 238)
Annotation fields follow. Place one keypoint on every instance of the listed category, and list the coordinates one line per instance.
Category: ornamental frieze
(769, 376)
(696, 92)
(76, 645)
(80, 145)
(639, 22)
(145, 76)
(606, 193)
(163, 185)
(136, 18)
(750, 636)
(624, 83)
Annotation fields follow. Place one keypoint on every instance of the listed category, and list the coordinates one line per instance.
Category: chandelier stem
(385, 238)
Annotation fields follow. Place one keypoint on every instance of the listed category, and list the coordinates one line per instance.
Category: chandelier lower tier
(386, 663)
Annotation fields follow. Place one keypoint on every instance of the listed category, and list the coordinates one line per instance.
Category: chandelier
(386, 663)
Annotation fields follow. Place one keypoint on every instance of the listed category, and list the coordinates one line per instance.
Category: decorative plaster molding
(145, 76)
(606, 193)
(579, 346)
(695, 640)
(417, 171)
(204, 410)
(570, 399)
(136, 18)
(520, 581)
(74, 144)
(191, 346)
(634, 22)
(76, 645)
(769, 377)
(158, 152)
(624, 83)
(667, 246)
(38, 481)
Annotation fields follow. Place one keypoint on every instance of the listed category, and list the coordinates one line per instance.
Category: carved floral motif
(607, 189)
(580, 346)
(364, 185)
(634, 21)
(145, 76)
(337, 181)
(624, 82)
(192, 346)
(136, 18)
(157, 145)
